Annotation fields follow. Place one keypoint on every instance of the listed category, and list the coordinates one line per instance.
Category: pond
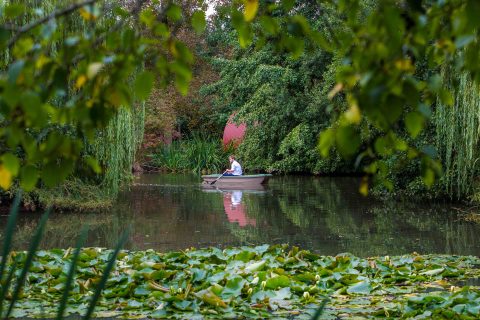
(327, 215)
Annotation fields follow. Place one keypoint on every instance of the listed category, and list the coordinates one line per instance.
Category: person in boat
(235, 169)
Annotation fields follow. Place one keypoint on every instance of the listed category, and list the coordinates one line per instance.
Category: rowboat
(237, 182)
(257, 189)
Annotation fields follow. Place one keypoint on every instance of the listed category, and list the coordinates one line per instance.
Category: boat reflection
(234, 203)
(207, 187)
(235, 209)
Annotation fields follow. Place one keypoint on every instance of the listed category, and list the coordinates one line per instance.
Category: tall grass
(197, 154)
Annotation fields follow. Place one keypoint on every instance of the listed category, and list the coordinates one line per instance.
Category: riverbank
(256, 283)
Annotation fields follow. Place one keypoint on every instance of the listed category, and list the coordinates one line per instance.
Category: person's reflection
(235, 210)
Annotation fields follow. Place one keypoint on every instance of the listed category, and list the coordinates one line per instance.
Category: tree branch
(53, 15)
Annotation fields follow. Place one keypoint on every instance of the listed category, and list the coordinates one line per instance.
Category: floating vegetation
(252, 282)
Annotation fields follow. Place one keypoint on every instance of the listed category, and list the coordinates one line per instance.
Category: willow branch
(117, 26)
(53, 15)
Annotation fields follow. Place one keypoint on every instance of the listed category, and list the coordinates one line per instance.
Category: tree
(56, 94)
(380, 47)
(79, 86)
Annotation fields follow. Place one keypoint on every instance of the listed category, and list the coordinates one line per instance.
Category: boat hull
(244, 182)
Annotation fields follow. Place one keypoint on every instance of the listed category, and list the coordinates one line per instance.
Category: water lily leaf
(211, 298)
(363, 287)
(432, 272)
(474, 309)
(159, 314)
(198, 274)
(133, 304)
(255, 266)
(276, 282)
(141, 292)
(283, 293)
(262, 295)
(233, 287)
(245, 256)
(182, 305)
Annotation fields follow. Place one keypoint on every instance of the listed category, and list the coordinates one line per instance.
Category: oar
(213, 182)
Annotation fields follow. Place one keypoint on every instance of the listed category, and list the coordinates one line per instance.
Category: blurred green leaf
(348, 140)
(326, 140)
(198, 21)
(13, 10)
(288, 4)
(143, 85)
(414, 123)
(446, 97)
(269, 25)
(11, 163)
(93, 163)
(28, 177)
(174, 12)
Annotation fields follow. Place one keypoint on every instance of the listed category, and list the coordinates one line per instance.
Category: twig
(53, 15)
(460, 210)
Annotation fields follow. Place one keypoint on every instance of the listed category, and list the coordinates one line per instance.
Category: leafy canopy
(48, 88)
(66, 69)
(381, 48)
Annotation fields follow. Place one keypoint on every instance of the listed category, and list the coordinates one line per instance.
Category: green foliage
(379, 44)
(116, 145)
(18, 269)
(283, 101)
(457, 133)
(197, 154)
(277, 280)
(83, 54)
(72, 195)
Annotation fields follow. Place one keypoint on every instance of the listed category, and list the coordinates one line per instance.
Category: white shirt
(236, 197)
(237, 168)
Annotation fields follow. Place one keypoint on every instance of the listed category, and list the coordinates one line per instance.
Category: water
(327, 215)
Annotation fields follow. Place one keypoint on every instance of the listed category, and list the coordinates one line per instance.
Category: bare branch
(53, 15)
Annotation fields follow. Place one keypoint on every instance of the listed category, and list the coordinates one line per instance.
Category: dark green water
(327, 215)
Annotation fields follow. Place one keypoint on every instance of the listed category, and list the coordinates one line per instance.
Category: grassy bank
(256, 283)
(72, 195)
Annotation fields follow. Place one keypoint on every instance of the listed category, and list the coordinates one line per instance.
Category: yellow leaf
(5, 178)
(353, 114)
(93, 69)
(86, 14)
(115, 98)
(80, 81)
(41, 61)
(404, 65)
(338, 87)
(251, 7)
(173, 48)
(364, 187)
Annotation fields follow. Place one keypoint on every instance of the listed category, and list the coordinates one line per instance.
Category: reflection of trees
(62, 230)
(170, 213)
(327, 215)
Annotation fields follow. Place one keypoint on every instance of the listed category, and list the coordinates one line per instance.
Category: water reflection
(235, 209)
(169, 212)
